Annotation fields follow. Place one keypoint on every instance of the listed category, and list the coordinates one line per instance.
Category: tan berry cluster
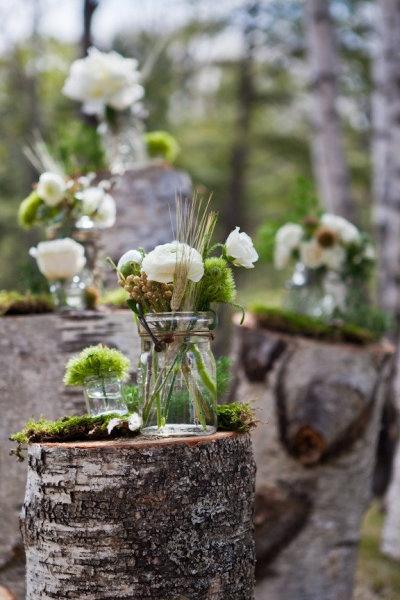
(156, 296)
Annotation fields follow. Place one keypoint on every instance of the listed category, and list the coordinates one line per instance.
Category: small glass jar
(70, 294)
(123, 142)
(307, 293)
(104, 396)
(177, 375)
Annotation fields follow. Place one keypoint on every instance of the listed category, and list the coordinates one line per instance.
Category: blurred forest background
(230, 80)
(273, 103)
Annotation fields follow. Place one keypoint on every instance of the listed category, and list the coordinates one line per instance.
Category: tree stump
(34, 350)
(139, 519)
(319, 404)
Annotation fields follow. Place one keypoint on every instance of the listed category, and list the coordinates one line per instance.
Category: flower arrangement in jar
(61, 262)
(108, 85)
(172, 291)
(334, 260)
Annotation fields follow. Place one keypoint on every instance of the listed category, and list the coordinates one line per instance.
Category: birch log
(34, 350)
(329, 160)
(319, 405)
(386, 164)
(141, 519)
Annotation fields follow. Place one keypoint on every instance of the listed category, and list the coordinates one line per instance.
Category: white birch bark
(386, 156)
(34, 350)
(141, 519)
(329, 162)
(319, 406)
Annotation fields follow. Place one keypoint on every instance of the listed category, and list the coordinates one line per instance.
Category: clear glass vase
(307, 293)
(177, 375)
(123, 142)
(104, 396)
(81, 292)
(70, 294)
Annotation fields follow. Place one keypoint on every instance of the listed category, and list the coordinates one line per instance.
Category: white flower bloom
(334, 257)
(51, 188)
(106, 213)
(311, 254)
(131, 256)
(104, 79)
(134, 422)
(98, 205)
(369, 252)
(240, 248)
(59, 259)
(282, 256)
(345, 230)
(160, 263)
(289, 235)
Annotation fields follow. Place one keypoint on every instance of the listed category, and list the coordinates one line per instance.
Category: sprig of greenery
(96, 361)
(28, 210)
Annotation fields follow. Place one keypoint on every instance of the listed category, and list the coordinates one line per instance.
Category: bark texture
(34, 350)
(145, 201)
(386, 121)
(329, 160)
(319, 406)
(141, 519)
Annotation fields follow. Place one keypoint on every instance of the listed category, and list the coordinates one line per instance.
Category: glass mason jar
(307, 293)
(69, 294)
(104, 396)
(177, 375)
(80, 292)
(123, 142)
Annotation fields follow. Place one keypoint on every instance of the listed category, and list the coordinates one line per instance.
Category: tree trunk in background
(386, 154)
(89, 6)
(329, 160)
(319, 406)
(141, 519)
(246, 97)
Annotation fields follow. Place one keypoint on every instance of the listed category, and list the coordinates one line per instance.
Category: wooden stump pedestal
(319, 406)
(141, 519)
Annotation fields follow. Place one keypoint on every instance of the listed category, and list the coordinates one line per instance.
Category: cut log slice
(141, 519)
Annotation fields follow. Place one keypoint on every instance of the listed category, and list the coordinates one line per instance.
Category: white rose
(311, 254)
(59, 259)
(345, 230)
(289, 235)
(131, 256)
(51, 188)
(160, 264)
(91, 199)
(240, 248)
(333, 258)
(104, 79)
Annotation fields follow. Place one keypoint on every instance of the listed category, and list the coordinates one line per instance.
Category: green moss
(15, 303)
(236, 417)
(117, 297)
(27, 212)
(231, 417)
(96, 361)
(64, 429)
(217, 284)
(162, 144)
(293, 323)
